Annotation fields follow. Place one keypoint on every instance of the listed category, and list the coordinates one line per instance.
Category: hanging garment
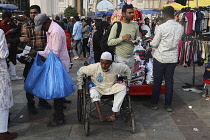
(189, 16)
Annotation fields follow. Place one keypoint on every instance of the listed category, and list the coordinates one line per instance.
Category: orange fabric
(68, 40)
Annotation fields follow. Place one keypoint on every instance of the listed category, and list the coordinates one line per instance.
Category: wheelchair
(85, 107)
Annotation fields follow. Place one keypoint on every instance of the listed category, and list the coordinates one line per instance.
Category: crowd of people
(83, 37)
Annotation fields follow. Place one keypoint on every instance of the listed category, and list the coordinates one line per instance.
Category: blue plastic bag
(49, 79)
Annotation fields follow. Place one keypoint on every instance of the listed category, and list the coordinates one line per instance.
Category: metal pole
(196, 3)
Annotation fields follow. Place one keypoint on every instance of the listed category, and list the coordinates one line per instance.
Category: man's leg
(4, 134)
(169, 78)
(74, 43)
(158, 72)
(118, 100)
(43, 103)
(4, 115)
(84, 48)
(79, 47)
(31, 103)
(96, 97)
(58, 116)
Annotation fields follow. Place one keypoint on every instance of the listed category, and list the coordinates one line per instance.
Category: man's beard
(106, 70)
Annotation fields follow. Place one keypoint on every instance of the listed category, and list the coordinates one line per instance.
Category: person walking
(77, 36)
(85, 37)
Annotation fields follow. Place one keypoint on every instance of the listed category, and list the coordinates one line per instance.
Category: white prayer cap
(106, 56)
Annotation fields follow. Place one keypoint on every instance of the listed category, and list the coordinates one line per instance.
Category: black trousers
(85, 48)
(58, 109)
(161, 70)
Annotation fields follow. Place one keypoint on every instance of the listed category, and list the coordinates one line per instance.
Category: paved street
(183, 123)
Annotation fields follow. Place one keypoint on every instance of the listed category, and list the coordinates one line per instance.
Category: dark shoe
(169, 108)
(55, 123)
(45, 104)
(154, 106)
(32, 109)
(8, 136)
(66, 100)
(64, 107)
(151, 106)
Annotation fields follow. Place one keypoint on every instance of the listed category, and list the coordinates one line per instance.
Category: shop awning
(151, 12)
(192, 3)
(176, 6)
(103, 13)
(8, 6)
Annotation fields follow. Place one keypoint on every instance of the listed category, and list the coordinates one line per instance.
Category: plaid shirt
(37, 39)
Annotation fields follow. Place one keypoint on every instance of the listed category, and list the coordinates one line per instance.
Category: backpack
(104, 39)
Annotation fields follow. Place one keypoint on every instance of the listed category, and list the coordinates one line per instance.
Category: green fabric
(124, 48)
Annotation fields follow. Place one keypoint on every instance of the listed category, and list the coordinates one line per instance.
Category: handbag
(49, 79)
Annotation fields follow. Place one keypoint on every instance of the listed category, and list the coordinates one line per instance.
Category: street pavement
(190, 119)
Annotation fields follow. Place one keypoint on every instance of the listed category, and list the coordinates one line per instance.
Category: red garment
(68, 40)
(207, 82)
(189, 16)
(5, 27)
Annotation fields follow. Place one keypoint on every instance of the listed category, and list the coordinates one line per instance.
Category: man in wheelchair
(104, 75)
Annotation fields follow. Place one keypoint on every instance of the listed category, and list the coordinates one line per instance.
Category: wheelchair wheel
(133, 125)
(80, 108)
(132, 117)
(87, 124)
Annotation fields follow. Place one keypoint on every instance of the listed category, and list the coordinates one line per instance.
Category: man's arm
(112, 40)
(86, 28)
(56, 45)
(126, 70)
(88, 70)
(74, 29)
(156, 40)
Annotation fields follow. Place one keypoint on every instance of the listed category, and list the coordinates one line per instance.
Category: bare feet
(111, 118)
(102, 118)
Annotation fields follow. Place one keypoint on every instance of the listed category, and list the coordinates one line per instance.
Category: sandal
(111, 118)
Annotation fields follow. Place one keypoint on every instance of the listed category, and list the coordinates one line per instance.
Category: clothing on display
(143, 65)
(195, 20)
(193, 51)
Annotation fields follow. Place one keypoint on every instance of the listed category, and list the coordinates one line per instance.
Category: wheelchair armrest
(121, 78)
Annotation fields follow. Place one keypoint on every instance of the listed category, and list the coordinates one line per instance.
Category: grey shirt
(85, 31)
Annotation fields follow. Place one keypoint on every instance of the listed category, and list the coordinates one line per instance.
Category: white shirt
(165, 42)
(147, 28)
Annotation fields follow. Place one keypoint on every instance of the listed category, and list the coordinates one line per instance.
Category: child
(206, 79)
(69, 46)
